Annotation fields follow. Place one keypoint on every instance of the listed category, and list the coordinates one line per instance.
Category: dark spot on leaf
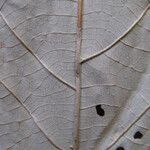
(120, 148)
(71, 147)
(100, 111)
(138, 135)
(2, 44)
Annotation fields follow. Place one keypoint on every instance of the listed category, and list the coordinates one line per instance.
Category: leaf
(74, 74)
(18, 127)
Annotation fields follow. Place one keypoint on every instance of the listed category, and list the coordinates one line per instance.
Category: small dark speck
(120, 148)
(138, 135)
(100, 111)
(71, 147)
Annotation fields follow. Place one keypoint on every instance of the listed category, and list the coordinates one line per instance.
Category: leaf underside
(74, 74)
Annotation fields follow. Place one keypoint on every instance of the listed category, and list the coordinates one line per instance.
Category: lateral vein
(23, 43)
(127, 129)
(117, 40)
(31, 116)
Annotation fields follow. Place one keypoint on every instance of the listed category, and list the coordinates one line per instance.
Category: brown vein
(118, 39)
(30, 50)
(78, 77)
(31, 116)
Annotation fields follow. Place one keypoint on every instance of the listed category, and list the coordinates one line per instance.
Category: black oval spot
(100, 111)
(120, 148)
(138, 135)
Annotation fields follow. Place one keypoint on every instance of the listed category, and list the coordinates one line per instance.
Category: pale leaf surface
(17, 128)
(74, 74)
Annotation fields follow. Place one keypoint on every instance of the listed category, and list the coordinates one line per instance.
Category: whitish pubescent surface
(74, 75)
